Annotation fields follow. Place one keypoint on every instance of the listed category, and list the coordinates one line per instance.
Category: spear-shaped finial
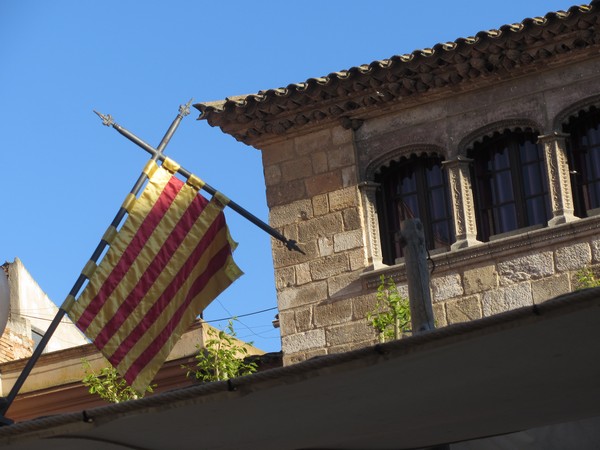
(184, 110)
(107, 120)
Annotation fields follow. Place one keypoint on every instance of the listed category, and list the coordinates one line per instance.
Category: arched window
(413, 188)
(584, 159)
(510, 185)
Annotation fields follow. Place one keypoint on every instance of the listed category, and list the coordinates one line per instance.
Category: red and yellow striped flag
(170, 259)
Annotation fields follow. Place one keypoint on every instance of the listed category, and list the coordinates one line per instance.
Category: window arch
(583, 150)
(414, 187)
(510, 183)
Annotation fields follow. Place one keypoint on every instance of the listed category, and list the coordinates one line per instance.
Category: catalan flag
(169, 260)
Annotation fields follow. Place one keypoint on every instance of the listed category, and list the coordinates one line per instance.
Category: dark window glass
(414, 188)
(584, 159)
(511, 189)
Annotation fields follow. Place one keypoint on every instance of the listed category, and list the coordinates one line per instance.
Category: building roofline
(512, 50)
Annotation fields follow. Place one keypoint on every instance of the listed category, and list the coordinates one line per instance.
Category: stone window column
(368, 190)
(559, 183)
(461, 197)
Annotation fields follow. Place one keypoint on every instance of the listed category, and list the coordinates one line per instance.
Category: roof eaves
(358, 87)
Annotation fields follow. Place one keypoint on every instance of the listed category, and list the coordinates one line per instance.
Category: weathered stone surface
(296, 168)
(341, 156)
(294, 343)
(303, 295)
(284, 193)
(507, 298)
(480, 279)
(272, 175)
(343, 198)
(274, 154)
(523, 268)
(328, 266)
(340, 349)
(291, 213)
(287, 322)
(285, 277)
(402, 290)
(325, 246)
(310, 143)
(304, 319)
(322, 226)
(363, 305)
(446, 287)
(283, 257)
(323, 183)
(345, 284)
(319, 162)
(464, 309)
(315, 353)
(351, 219)
(333, 313)
(573, 257)
(349, 177)
(550, 287)
(595, 245)
(439, 315)
(340, 135)
(347, 240)
(349, 333)
(320, 205)
(302, 356)
(302, 274)
(357, 258)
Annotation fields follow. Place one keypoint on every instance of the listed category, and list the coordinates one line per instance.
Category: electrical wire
(241, 323)
(239, 315)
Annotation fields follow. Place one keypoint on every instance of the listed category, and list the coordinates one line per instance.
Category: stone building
(493, 141)
(25, 314)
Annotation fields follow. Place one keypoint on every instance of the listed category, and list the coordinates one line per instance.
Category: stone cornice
(467, 63)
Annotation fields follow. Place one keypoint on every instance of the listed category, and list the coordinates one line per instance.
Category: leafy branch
(391, 315)
(586, 279)
(109, 385)
(221, 358)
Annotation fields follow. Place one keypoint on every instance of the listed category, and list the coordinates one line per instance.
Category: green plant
(391, 315)
(109, 385)
(586, 279)
(222, 357)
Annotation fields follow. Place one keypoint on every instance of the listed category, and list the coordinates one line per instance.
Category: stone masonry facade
(323, 143)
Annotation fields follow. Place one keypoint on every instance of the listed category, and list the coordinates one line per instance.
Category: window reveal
(584, 158)
(414, 188)
(511, 189)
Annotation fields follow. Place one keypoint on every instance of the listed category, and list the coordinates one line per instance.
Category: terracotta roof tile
(343, 94)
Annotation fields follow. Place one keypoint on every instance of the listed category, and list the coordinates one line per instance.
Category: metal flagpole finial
(184, 110)
(107, 120)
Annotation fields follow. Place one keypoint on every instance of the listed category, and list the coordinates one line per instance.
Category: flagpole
(6, 402)
(157, 155)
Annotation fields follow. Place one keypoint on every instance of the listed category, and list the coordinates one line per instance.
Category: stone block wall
(514, 272)
(313, 198)
(321, 192)
(324, 296)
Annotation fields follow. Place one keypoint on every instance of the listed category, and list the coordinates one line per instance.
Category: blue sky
(64, 175)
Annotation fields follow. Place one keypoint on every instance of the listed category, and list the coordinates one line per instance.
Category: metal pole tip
(184, 110)
(107, 120)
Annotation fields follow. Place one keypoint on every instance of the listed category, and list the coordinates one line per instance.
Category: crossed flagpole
(86, 273)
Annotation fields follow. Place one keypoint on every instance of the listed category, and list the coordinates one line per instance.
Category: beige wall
(29, 308)
(320, 193)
